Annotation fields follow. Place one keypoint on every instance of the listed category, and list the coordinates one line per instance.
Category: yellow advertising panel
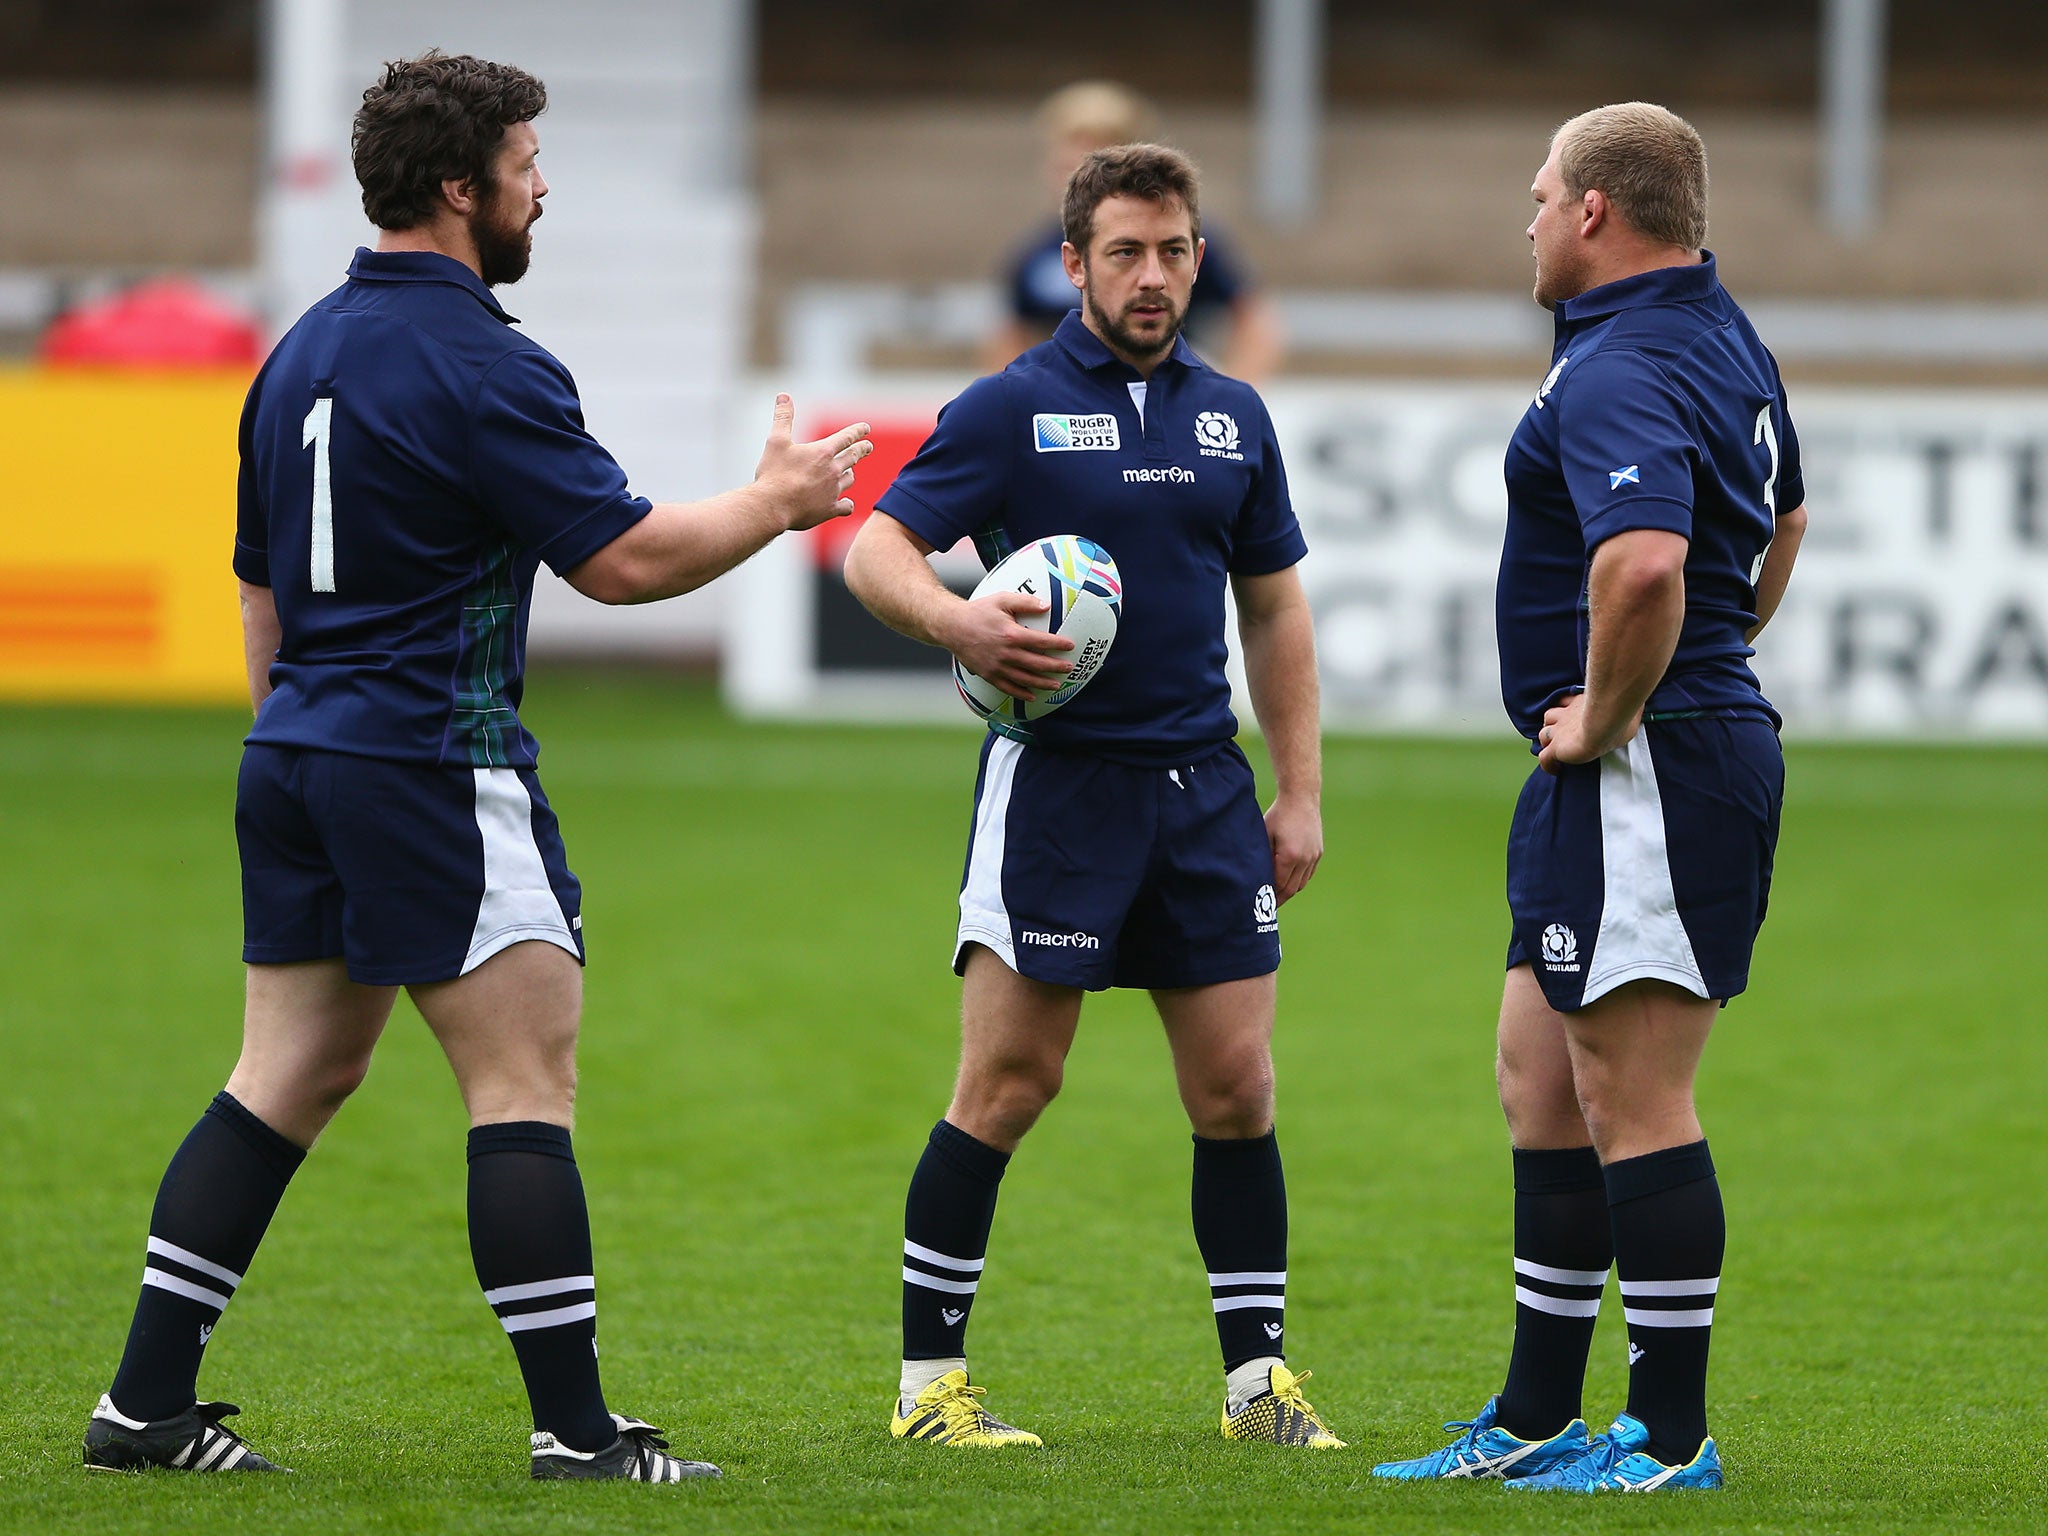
(117, 522)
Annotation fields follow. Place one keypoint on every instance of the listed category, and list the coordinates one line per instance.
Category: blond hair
(1100, 110)
(1649, 162)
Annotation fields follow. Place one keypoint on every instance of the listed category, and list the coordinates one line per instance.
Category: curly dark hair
(436, 118)
(1149, 171)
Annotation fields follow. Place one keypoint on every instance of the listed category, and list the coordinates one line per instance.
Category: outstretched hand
(809, 482)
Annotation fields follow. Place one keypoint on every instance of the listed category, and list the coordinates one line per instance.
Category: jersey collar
(1086, 348)
(1661, 285)
(423, 267)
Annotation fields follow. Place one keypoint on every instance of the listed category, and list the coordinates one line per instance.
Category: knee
(1232, 1103)
(331, 1086)
(1540, 1103)
(1007, 1098)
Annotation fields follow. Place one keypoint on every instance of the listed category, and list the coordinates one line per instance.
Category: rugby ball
(1084, 598)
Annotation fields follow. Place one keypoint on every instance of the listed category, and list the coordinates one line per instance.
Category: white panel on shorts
(518, 903)
(1641, 935)
(984, 918)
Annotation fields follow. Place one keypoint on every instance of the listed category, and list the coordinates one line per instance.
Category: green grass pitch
(770, 1033)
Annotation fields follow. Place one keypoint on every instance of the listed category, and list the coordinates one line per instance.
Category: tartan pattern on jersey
(484, 727)
(994, 545)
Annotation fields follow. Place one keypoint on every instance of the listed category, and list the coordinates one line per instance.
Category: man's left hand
(1295, 828)
(1567, 735)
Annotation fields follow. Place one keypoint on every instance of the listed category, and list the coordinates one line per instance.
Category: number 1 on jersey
(319, 431)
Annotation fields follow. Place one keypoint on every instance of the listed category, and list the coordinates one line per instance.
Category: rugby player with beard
(1118, 842)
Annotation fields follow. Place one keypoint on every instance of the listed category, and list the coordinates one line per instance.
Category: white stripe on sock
(1650, 1317)
(933, 1256)
(1557, 1306)
(527, 1321)
(1239, 1303)
(533, 1288)
(1560, 1276)
(191, 1260)
(185, 1288)
(521, 1322)
(1250, 1277)
(934, 1283)
(1705, 1287)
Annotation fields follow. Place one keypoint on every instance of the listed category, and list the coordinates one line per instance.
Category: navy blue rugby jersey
(1661, 409)
(408, 460)
(1183, 494)
(1040, 293)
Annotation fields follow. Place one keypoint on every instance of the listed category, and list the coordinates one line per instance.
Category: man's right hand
(1018, 659)
(808, 482)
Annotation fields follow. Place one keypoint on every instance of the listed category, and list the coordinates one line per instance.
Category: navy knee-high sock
(529, 1235)
(1669, 1237)
(1563, 1246)
(1239, 1200)
(946, 1221)
(215, 1202)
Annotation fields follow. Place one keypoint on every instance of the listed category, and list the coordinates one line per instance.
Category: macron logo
(1059, 940)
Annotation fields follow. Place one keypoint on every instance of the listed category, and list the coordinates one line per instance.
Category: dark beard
(1122, 340)
(503, 251)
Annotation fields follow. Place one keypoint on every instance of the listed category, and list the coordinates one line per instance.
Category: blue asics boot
(1617, 1463)
(1486, 1450)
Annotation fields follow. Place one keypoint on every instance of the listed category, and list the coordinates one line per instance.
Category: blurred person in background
(407, 461)
(1655, 508)
(1226, 311)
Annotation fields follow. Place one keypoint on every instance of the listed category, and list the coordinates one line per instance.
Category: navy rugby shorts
(1089, 873)
(412, 874)
(1651, 862)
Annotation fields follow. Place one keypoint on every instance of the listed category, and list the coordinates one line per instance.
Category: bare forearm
(680, 546)
(1280, 671)
(261, 636)
(1777, 571)
(896, 583)
(1635, 621)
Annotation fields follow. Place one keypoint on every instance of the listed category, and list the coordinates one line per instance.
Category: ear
(460, 195)
(1593, 212)
(1077, 269)
(1201, 245)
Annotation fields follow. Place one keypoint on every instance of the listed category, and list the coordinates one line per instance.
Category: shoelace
(1468, 1439)
(1601, 1456)
(1293, 1398)
(965, 1396)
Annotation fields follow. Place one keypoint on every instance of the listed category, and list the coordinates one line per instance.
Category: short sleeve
(1791, 478)
(955, 486)
(1268, 536)
(1626, 440)
(538, 472)
(252, 523)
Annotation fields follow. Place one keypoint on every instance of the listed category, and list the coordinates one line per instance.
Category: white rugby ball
(1085, 598)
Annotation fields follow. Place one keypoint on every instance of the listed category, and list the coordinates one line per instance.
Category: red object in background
(168, 322)
(897, 439)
